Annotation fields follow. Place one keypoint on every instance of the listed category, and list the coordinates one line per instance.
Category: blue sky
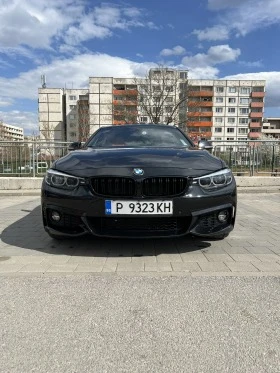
(70, 40)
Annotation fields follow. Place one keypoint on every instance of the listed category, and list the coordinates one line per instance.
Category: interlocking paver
(32, 268)
(213, 267)
(218, 257)
(130, 267)
(10, 268)
(244, 258)
(188, 267)
(241, 267)
(267, 266)
(158, 267)
(89, 268)
(268, 257)
(253, 246)
(194, 257)
(62, 268)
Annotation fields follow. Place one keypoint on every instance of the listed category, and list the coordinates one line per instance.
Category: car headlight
(63, 181)
(215, 180)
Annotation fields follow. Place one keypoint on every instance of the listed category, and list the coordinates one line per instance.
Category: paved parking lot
(253, 248)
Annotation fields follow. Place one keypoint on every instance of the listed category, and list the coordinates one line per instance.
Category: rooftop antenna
(43, 81)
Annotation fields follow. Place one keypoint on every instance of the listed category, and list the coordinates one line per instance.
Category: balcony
(258, 94)
(255, 125)
(124, 102)
(199, 114)
(200, 124)
(257, 104)
(200, 93)
(254, 135)
(256, 115)
(126, 92)
(200, 103)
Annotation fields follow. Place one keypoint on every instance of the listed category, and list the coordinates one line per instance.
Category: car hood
(121, 162)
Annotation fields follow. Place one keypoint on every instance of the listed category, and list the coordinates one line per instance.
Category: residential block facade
(10, 133)
(214, 109)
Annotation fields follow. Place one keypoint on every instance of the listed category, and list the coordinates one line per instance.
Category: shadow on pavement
(28, 233)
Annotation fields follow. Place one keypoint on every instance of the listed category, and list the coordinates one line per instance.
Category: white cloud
(215, 55)
(46, 24)
(175, 51)
(272, 85)
(241, 17)
(65, 71)
(24, 119)
(218, 32)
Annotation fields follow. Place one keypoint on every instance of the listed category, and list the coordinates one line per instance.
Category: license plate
(139, 207)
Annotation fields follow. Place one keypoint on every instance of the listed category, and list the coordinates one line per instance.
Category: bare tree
(163, 96)
(83, 120)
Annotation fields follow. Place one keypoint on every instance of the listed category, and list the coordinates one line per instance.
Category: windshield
(138, 136)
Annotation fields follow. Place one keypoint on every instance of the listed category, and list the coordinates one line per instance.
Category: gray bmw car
(138, 181)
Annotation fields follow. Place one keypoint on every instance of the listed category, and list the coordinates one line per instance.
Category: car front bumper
(82, 212)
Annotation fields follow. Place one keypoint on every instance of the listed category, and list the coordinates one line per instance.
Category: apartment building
(271, 127)
(226, 109)
(11, 133)
(213, 109)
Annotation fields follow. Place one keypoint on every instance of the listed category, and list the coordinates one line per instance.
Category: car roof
(151, 125)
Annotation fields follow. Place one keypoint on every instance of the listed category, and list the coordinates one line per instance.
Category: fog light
(55, 216)
(223, 216)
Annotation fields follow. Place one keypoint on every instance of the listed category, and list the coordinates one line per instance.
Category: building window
(217, 138)
(231, 110)
(72, 107)
(72, 98)
(230, 130)
(243, 120)
(232, 100)
(143, 119)
(219, 109)
(169, 88)
(244, 101)
(218, 120)
(232, 89)
(242, 131)
(244, 110)
(219, 89)
(169, 99)
(231, 120)
(73, 134)
(157, 88)
(168, 109)
(183, 75)
(219, 99)
(245, 90)
(229, 139)
(72, 116)
(218, 129)
(258, 89)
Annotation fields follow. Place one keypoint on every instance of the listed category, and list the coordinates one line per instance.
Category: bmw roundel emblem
(138, 171)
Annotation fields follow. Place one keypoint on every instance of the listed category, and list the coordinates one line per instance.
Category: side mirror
(205, 144)
(75, 146)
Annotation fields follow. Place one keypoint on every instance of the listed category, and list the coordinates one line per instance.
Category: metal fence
(29, 158)
(250, 157)
(245, 158)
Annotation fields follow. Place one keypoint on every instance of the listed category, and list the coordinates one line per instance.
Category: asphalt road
(97, 323)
